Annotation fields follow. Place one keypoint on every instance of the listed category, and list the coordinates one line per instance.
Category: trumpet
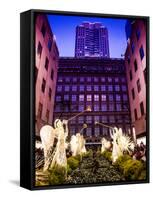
(101, 124)
(88, 109)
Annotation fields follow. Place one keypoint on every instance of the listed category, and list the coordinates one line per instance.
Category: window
(66, 97)
(128, 59)
(105, 131)
(96, 118)
(138, 33)
(141, 51)
(96, 107)
(40, 108)
(133, 94)
(74, 79)
(81, 79)
(88, 79)
(81, 97)
(81, 108)
(118, 107)
(109, 79)
(88, 131)
(123, 80)
(111, 119)
(104, 107)
(81, 88)
(72, 131)
(89, 119)
(110, 88)
(135, 65)
(104, 119)
(118, 97)
(39, 49)
(119, 118)
(96, 88)
(49, 44)
(58, 98)
(57, 108)
(88, 87)
(111, 107)
(125, 97)
(59, 88)
(96, 97)
(81, 119)
(46, 63)
(132, 47)
(138, 85)
(43, 30)
(43, 85)
(131, 75)
(125, 106)
(47, 115)
(89, 97)
(103, 87)
(67, 88)
(74, 88)
(52, 74)
(117, 88)
(142, 108)
(135, 114)
(124, 88)
(103, 97)
(111, 98)
(74, 98)
(103, 79)
(67, 79)
(97, 131)
(60, 79)
(50, 93)
(116, 79)
(95, 79)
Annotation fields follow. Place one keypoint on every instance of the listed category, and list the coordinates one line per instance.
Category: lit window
(88, 131)
(111, 107)
(103, 79)
(81, 108)
(124, 88)
(60, 79)
(59, 88)
(96, 97)
(117, 88)
(96, 118)
(141, 51)
(81, 79)
(104, 119)
(57, 108)
(67, 88)
(96, 88)
(110, 88)
(118, 97)
(66, 97)
(81, 119)
(118, 107)
(74, 79)
(96, 107)
(110, 96)
(125, 97)
(74, 88)
(95, 79)
(89, 119)
(74, 98)
(88, 87)
(105, 131)
(109, 79)
(119, 118)
(103, 87)
(123, 80)
(88, 79)
(104, 107)
(111, 119)
(103, 97)
(72, 131)
(116, 80)
(81, 88)
(67, 79)
(89, 97)
(97, 131)
(81, 97)
(58, 98)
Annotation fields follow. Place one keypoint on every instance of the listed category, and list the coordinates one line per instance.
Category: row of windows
(89, 97)
(83, 88)
(141, 52)
(141, 110)
(96, 107)
(103, 119)
(138, 89)
(92, 79)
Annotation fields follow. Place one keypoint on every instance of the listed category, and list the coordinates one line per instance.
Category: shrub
(57, 175)
(142, 175)
(73, 162)
(107, 155)
(120, 162)
(132, 169)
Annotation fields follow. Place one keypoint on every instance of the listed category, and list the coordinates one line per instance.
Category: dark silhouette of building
(96, 82)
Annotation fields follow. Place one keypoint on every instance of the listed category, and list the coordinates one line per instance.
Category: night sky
(63, 28)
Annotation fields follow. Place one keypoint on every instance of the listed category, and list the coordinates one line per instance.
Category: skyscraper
(91, 40)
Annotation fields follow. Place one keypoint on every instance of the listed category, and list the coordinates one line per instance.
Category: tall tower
(91, 40)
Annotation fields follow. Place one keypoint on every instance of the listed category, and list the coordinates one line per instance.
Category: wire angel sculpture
(105, 145)
(77, 144)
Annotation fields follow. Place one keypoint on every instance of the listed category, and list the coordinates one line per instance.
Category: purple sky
(63, 28)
